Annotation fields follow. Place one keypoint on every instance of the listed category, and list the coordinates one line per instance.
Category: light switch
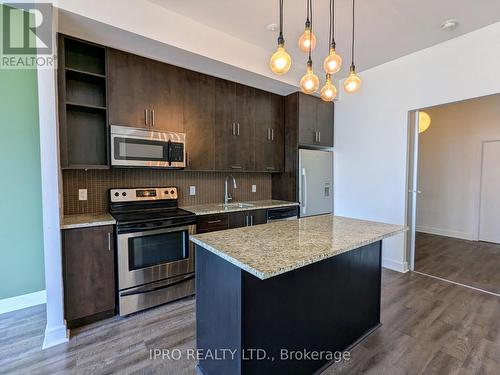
(254, 188)
(82, 194)
(192, 190)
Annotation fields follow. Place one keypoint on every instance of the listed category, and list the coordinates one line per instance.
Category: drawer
(211, 223)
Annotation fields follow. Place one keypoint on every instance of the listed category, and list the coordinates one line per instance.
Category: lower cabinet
(212, 223)
(89, 274)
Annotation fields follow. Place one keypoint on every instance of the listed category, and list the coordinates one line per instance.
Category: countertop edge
(239, 209)
(86, 221)
(264, 276)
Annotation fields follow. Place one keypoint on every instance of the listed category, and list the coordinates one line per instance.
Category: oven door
(154, 255)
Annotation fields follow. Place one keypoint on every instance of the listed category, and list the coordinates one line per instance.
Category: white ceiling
(385, 29)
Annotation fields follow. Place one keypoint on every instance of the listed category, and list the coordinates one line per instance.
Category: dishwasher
(282, 213)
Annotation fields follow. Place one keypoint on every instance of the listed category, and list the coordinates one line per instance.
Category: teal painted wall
(21, 236)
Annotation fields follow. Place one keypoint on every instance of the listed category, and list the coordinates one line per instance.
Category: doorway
(453, 202)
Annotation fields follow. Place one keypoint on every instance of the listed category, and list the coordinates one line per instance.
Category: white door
(316, 182)
(489, 222)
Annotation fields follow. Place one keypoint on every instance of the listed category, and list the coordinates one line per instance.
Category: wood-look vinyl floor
(472, 263)
(429, 327)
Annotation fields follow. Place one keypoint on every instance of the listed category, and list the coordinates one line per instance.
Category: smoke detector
(449, 25)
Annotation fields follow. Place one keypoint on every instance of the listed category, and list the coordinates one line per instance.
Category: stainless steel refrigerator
(315, 182)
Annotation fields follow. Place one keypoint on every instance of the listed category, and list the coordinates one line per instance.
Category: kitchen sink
(237, 205)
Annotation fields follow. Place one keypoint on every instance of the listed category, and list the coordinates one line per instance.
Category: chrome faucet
(227, 195)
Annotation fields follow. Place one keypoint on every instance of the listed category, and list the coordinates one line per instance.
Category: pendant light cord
(352, 47)
(281, 40)
(310, 14)
(331, 36)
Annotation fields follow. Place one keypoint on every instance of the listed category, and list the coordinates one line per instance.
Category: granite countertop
(218, 208)
(86, 220)
(271, 249)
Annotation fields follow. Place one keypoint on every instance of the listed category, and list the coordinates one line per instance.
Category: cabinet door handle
(152, 117)
(236, 167)
(251, 220)
(268, 134)
(234, 128)
(109, 241)
(272, 134)
(270, 168)
(319, 136)
(214, 221)
(146, 115)
(238, 132)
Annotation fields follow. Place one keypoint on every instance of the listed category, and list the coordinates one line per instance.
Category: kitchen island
(282, 298)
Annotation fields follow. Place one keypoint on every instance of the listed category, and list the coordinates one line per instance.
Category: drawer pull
(214, 221)
(236, 167)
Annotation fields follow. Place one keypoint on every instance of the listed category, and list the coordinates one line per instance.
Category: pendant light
(328, 91)
(280, 61)
(333, 62)
(310, 82)
(352, 83)
(307, 40)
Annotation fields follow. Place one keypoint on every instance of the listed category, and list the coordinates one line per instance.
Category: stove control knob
(172, 192)
(166, 192)
(124, 194)
(117, 194)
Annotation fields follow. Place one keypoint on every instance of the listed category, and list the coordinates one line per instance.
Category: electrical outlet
(82, 194)
(192, 190)
(254, 188)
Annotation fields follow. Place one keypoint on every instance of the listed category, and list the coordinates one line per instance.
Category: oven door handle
(142, 232)
(169, 152)
(142, 290)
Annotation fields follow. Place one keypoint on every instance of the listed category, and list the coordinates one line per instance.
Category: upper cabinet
(234, 126)
(199, 120)
(269, 132)
(82, 104)
(144, 93)
(315, 118)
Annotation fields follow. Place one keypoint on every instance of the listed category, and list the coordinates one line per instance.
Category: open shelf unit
(82, 104)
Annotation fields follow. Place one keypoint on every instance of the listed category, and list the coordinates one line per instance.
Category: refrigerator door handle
(304, 191)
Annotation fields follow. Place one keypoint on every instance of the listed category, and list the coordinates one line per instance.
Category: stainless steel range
(155, 257)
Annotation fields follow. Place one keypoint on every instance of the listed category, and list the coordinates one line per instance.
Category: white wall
(449, 171)
(371, 126)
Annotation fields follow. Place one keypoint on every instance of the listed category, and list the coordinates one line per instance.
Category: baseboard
(446, 233)
(395, 265)
(23, 301)
(55, 336)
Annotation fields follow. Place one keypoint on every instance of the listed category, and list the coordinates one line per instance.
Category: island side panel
(218, 313)
(325, 306)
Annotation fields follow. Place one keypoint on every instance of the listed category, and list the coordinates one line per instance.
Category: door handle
(272, 134)
(153, 117)
(315, 136)
(234, 128)
(238, 129)
(268, 134)
(146, 116)
(109, 241)
(319, 134)
(304, 191)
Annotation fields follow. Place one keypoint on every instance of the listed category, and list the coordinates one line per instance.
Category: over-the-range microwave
(135, 147)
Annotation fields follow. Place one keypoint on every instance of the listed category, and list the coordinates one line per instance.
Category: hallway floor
(471, 263)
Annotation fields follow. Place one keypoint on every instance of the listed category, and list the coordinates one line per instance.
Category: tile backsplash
(209, 186)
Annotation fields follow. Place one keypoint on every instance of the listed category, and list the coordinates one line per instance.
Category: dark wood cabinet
(199, 121)
(234, 126)
(269, 132)
(238, 219)
(144, 93)
(128, 89)
(82, 104)
(211, 223)
(315, 121)
(89, 274)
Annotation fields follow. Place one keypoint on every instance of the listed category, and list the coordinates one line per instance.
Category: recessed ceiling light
(449, 25)
(272, 27)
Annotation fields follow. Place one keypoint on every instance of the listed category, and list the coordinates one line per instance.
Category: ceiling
(385, 29)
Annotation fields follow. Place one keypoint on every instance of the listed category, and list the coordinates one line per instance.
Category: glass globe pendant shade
(328, 91)
(306, 40)
(352, 83)
(424, 121)
(310, 82)
(280, 61)
(333, 62)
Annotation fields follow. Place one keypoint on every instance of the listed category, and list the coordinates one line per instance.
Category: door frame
(480, 195)
(411, 189)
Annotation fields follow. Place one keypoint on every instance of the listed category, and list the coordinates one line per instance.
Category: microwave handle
(169, 152)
